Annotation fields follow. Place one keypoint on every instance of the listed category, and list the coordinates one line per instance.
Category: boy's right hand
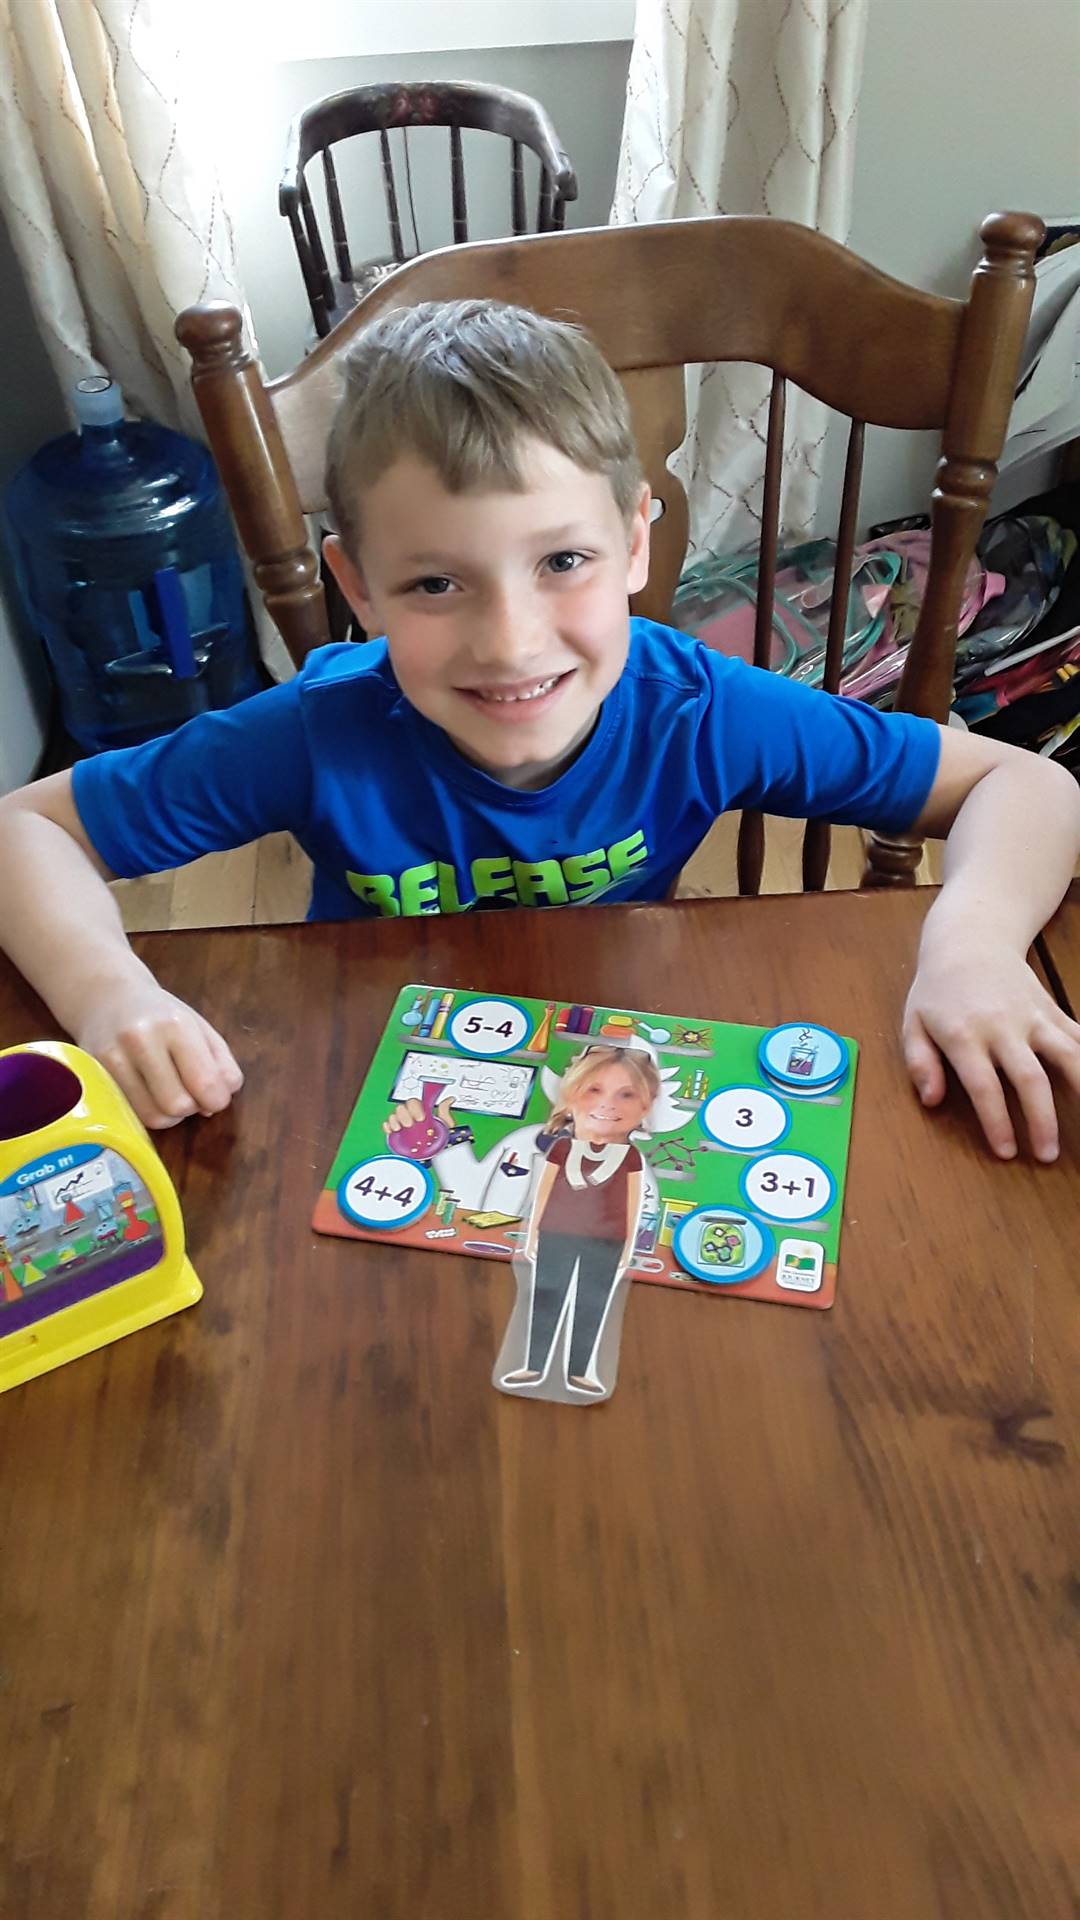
(163, 1055)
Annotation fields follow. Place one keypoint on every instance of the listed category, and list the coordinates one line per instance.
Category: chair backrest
(383, 108)
(657, 298)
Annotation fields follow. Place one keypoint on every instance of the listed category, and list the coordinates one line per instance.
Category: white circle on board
(788, 1186)
(386, 1191)
(489, 1027)
(745, 1118)
(815, 1093)
(806, 1057)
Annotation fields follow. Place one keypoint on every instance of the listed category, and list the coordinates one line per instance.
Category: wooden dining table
(1059, 952)
(300, 1619)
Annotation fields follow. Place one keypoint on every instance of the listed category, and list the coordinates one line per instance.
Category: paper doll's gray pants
(556, 1257)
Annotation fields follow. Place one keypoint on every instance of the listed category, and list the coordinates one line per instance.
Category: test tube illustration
(441, 1015)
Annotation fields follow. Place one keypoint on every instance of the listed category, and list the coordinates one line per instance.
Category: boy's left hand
(991, 1018)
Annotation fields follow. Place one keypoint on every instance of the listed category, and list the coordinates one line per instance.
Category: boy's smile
(505, 613)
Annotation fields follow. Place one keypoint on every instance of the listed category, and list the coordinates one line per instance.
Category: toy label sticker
(386, 1191)
(745, 1119)
(498, 1087)
(805, 1057)
(800, 1265)
(74, 1233)
(488, 1027)
(788, 1186)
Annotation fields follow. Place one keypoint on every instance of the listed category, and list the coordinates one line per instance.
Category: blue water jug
(127, 564)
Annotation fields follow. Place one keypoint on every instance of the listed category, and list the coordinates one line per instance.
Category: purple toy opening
(35, 1090)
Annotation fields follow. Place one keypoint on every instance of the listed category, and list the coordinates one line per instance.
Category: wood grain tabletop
(1060, 948)
(300, 1619)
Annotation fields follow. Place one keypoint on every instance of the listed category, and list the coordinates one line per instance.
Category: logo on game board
(800, 1265)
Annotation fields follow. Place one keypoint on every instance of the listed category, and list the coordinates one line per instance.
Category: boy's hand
(167, 1059)
(984, 1010)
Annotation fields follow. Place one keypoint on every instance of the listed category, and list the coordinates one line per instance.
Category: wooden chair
(380, 109)
(657, 298)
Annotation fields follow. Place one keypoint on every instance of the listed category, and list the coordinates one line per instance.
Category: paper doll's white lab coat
(504, 1180)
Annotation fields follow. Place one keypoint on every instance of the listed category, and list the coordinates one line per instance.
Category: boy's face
(505, 613)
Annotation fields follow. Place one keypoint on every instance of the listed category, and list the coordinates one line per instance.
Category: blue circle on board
(810, 1058)
(789, 1210)
(473, 1027)
(722, 1245)
(385, 1214)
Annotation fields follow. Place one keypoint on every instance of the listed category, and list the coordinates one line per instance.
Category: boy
(517, 740)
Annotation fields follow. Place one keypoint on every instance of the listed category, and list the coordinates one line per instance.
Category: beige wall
(967, 106)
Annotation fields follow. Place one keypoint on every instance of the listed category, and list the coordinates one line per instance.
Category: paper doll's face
(609, 1105)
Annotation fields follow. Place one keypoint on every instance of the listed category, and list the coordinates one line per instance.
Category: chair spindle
(457, 188)
(390, 190)
(312, 282)
(518, 216)
(751, 850)
(316, 245)
(817, 839)
(337, 218)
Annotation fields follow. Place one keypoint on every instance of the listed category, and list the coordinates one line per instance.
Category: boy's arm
(61, 926)
(1013, 826)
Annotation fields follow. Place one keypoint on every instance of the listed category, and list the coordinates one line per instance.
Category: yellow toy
(91, 1237)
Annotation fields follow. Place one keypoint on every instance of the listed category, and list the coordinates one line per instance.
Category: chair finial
(212, 333)
(1012, 238)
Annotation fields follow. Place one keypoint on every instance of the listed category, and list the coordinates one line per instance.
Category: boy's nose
(504, 636)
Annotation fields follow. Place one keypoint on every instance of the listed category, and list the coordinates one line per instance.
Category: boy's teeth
(542, 686)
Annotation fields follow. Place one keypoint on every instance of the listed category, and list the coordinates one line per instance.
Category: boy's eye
(434, 584)
(565, 562)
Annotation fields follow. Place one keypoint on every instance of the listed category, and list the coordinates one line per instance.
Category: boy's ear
(350, 580)
(639, 532)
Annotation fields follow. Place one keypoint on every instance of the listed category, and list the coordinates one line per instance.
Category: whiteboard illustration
(475, 1086)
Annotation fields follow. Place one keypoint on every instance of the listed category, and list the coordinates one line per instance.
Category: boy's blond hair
(460, 384)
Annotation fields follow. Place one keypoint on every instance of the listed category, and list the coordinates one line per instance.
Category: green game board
(745, 1146)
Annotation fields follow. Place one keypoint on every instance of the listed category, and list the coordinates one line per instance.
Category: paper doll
(582, 1226)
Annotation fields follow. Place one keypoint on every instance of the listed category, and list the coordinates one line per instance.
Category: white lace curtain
(743, 106)
(109, 189)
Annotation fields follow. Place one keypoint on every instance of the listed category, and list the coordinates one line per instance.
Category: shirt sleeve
(768, 742)
(220, 781)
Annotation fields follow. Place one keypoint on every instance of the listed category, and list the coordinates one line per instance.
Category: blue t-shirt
(397, 822)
